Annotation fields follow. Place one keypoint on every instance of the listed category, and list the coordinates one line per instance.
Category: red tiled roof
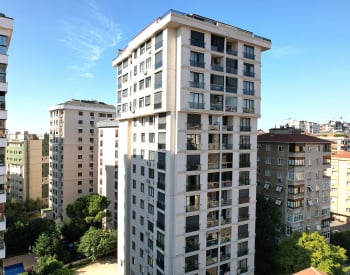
(342, 155)
(289, 138)
(310, 271)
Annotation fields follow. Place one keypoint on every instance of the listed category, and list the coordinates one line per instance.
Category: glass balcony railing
(213, 185)
(212, 222)
(197, 43)
(231, 70)
(217, 87)
(244, 181)
(249, 55)
(213, 203)
(192, 227)
(196, 105)
(216, 106)
(196, 84)
(217, 68)
(249, 110)
(248, 92)
(196, 63)
(191, 208)
(244, 146)
(231, 52)
(231, 89)
(249, 73)
(193, 167)
(193, 187)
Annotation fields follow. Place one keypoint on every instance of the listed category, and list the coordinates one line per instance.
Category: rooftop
(342, 155)
(87, 103)
(290, 138)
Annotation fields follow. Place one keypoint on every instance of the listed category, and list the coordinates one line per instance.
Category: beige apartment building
(340, 186)
(188, 101)
(27, 164)
(108, 136)
(73, 151)
(292, 172)
(6, 28)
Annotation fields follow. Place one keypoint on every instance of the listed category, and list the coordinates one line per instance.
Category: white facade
(108, 167)
(188, 103)
(6, 28)
(73, 155)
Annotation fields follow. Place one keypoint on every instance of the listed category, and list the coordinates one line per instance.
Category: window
(231, 66)
(158, 60)
(196, 101)
(248, 105)
(197, 39)
(196, 80)
(157, 100)
(245, 124)
(158, 80)
(248, 70)
(158, 40)
(248, 88)
(197, 59)
(3, 44)
(248, 52)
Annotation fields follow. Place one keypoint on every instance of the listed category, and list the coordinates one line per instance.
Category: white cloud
(88, 36)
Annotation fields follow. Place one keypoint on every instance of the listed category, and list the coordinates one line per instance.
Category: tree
(49, 264)
(342, 238)
(88, 210)
(267, 220)
(301, 251)
(97, 243)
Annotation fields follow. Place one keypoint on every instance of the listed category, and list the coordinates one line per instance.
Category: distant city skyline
(64, 50)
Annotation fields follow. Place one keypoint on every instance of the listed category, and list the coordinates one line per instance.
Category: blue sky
(64, 49)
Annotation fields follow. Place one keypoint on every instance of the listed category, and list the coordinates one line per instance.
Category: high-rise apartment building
(188, 101)
(108, 168)
(27, 167)
(73, 151)
(340, 186)
(292, 172)
(6, 28)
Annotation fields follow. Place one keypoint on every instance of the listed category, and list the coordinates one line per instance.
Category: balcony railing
(217, 87)
(243, 164)
(212, 222)
(161, 185)
(196, 63)
(217, 48)
(242, 218)
(249, 55)
(243, 235)
(244, 181)
(217, 68)
(193, 167)
(212, 260)
(197, 43)
(231, 70)
(193, 187)
(213, 127)
(193, 146)
(196, 105)
(231, 89)
(191, 208)
(231, 52)
(216, 106)
(226, 183)
(249, 110)
(213, 146)
(226, 165)
(192, 247)
(213, 203)
(243, 200)
(242, 252)
(245, 128)
(248, 92)
(191, 126)
(225, 221)
(211, 242)
(192, 227)
(213, 185)
(226, 146)
(225, 256)
(229, 108)
(249, 73)
(244, 146)
(225, 202)
(191, 267)
(213, 165)
(225, 238)
(196, 84)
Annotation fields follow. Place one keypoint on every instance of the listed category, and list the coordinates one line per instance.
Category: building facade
(188, 101)
(108, 168)
(73, 151)
(340, 186)
(27, 167)
(292, 171)
(6, 28)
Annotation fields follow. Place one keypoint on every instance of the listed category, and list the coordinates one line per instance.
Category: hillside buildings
(73, 151)
(292, 172)
(108, 135)
(340, 186)
(27, 161)
(6, 28)
(188, 103)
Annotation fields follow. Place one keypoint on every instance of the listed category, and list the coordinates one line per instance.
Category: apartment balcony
(196, 84)
(217, 48)
(227, 146)
(225, 256)
(191, 208)
(193, 167)
(244, 181)
(212, 242)
(249, 55)
(248, 110)
(191, 126)
(189, 267)
(231, 89)
(196, 105)
(231, 70)
(242, 218)
(248, 92)
(226, 183)
(229, 108)
(225, 238)
(216, 106)
(193, 146)
(231, 52)
(244, 164)
(295, 196)
(227, 128)
(245, 128)
(249, 73)
(226, 164)
(217, 87)
(212, 222)
(213, 185)
(192, 247)
(213, 203)
(213, 146)
(212, 260)
(244, 146)
(226, 202)
(191, 227)
(213, 165)
(217, 68)
(196, 63)
(197, 43)
(225, 221)
(193, 187)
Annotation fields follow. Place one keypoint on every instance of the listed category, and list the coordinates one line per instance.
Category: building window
(248, 52)
(158, 63)
(197, 39)
(158, 80)
(248, 70)
(197, 59)
(3, 44)
(196, 101)
(196, 80)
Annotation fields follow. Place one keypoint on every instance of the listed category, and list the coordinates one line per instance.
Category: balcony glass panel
(243, 214)
(197, 39)
(225, 216)
(243, 196)
(213, 199)
(192, 244)
(212, 256)
(243, 231)
(225, 235)
(193, 183)
(213, 219)
(192, 223)
(212, 238)
(213, 180)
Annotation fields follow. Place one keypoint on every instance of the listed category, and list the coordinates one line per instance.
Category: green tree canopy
(49, 264)
(97, 243)
(267, 220)
(301, 251)
(89, 210)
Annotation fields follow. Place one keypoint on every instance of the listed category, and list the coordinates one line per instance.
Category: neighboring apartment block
(188, 104)
(108, 167)
(340, 186)
(27, 167)
(292, 172)
(73, 151)
(6, 28)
